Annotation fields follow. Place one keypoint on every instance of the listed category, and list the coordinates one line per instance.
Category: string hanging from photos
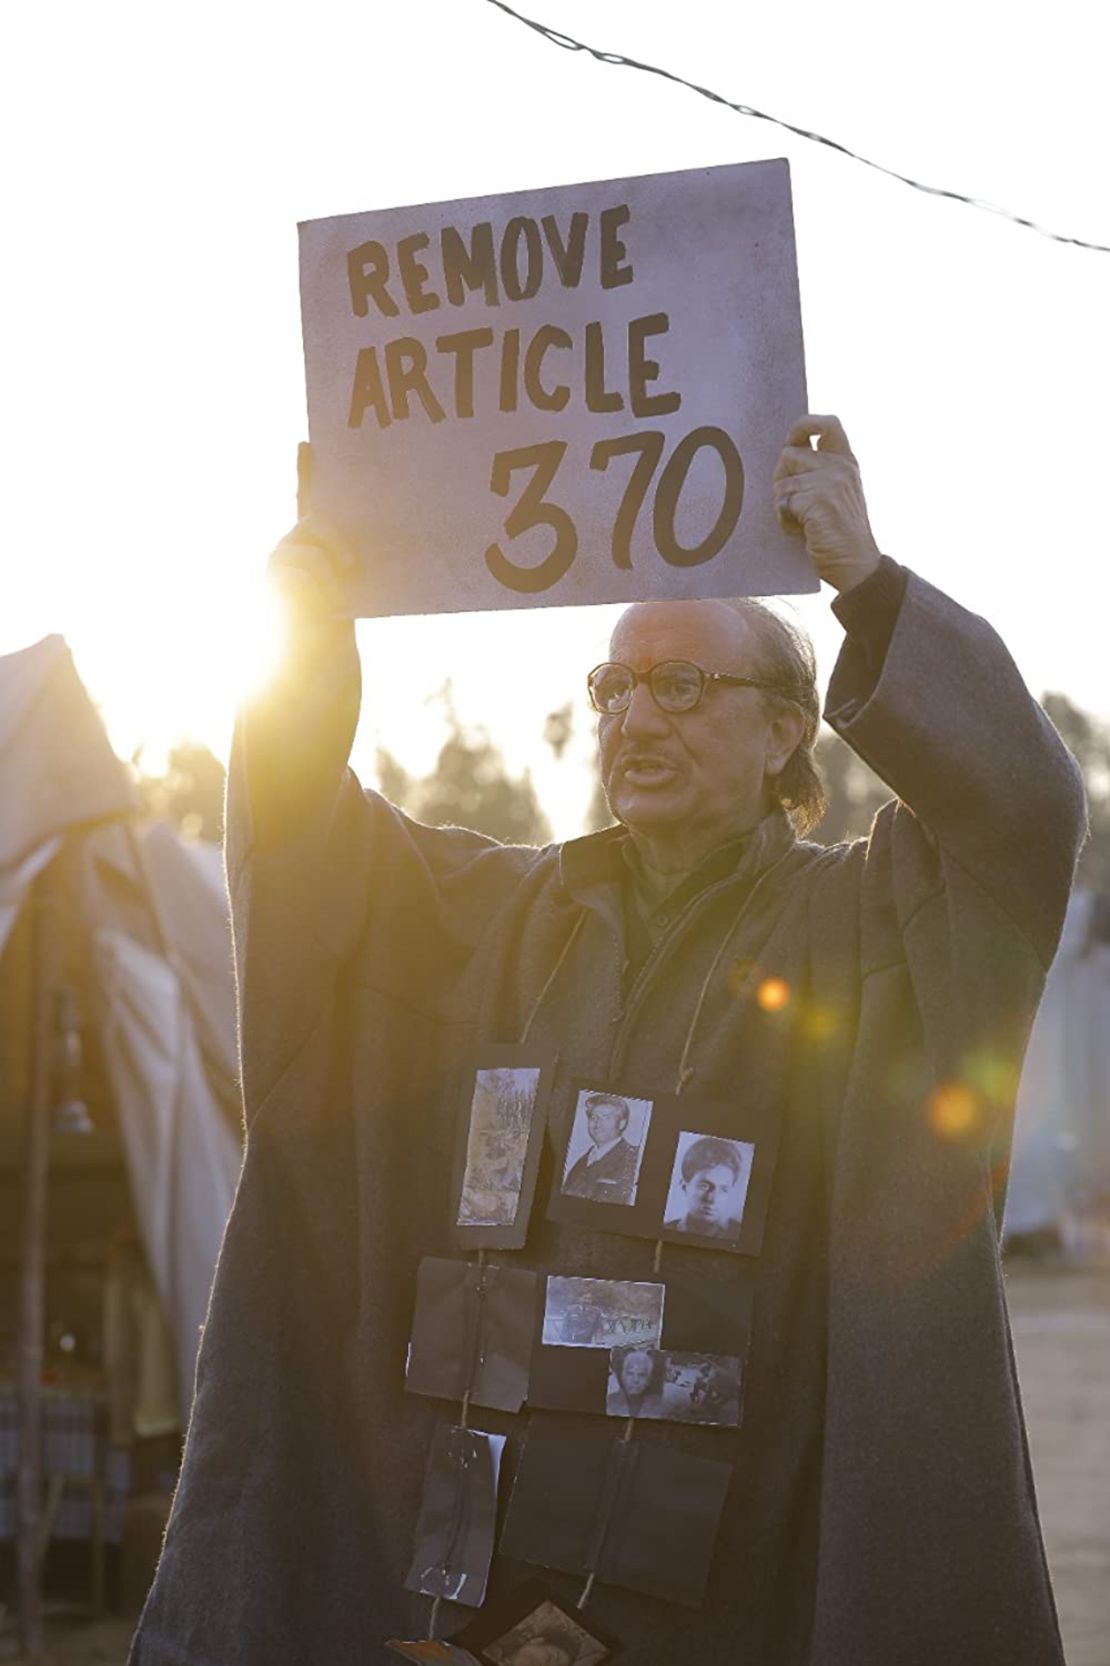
(670, 1348)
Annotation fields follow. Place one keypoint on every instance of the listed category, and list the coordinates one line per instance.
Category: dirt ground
(1061, 1326)
(1061, 1323)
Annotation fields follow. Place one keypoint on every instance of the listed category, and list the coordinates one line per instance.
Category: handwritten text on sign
(561, 396)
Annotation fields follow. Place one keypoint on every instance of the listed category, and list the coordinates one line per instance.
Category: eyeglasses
(677, 685)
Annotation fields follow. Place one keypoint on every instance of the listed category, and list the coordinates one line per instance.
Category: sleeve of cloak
(944, 718)
(319, 869)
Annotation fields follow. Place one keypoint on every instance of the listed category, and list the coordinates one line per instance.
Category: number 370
(533, 508)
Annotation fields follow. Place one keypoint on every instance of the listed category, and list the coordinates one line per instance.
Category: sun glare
(263, 626)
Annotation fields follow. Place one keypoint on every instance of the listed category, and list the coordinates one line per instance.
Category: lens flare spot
(773, 994)
(953, 1111)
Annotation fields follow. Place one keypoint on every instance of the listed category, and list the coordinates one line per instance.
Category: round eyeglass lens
(676, 685)
(611, 687)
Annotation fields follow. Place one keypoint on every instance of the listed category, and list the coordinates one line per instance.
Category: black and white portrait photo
(709, 1186)
(674, 1387)
(547, 1637)
(602, 1313)
(606, 1147)
(501, 1111)
(635, 1386)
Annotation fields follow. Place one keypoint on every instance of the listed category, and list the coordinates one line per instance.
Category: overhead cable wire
(570, 44)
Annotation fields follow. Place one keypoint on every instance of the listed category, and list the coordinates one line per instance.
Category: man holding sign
(854, 1017)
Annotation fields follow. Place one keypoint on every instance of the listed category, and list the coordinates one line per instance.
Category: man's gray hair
(785, 658)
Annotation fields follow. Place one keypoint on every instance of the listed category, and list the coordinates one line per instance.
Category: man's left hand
(821, 492)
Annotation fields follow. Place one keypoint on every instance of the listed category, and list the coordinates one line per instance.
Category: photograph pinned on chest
(606, 1147)
(670, 1168)
(709, 1186)
(600, 1357)
(501, 1118)
(657, 1384)
(532, 1626)
(601, 1313)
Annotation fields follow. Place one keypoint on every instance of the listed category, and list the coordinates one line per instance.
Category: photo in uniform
(708, 1186)
(606, 1147)
(703, 1177)
(601, 1313)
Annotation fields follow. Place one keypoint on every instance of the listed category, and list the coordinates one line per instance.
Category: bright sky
(159, 158)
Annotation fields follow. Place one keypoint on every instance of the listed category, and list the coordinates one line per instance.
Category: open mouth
(648, 772)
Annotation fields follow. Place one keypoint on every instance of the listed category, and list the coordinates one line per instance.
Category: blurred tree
(395, 782)
(559, 728)
(469, 787)
(189, 795)
(855, 791)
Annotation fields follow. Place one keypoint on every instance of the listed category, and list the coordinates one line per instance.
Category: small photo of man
(602, 1313)
(547, 1637)
(635, 1383)
(605, 1147)
(709, 1186)
(678, 1387)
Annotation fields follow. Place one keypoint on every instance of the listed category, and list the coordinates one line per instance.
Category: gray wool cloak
(881, 1508)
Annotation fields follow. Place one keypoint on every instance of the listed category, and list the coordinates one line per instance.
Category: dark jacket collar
(600, 860)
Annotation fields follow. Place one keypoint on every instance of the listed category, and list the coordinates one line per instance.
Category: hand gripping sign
(560, 396)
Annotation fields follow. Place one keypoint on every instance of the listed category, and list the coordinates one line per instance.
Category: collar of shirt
(657, 913)
(596, 1152)
(600, 870)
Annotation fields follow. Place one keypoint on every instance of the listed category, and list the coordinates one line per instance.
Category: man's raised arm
(293, 740)
(928, 695)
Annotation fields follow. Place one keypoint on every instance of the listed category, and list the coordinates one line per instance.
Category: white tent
(1060, 1178)
(153, 918)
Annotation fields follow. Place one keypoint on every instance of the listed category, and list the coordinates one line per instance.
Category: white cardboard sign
(559, 396)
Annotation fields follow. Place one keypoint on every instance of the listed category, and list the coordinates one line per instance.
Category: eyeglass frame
(707, 677)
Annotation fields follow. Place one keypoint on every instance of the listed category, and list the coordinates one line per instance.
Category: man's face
(605, 1120)
(698, 775)
(709, 1195)
(537, 1652)
(636, 1373)
(580, 1322)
